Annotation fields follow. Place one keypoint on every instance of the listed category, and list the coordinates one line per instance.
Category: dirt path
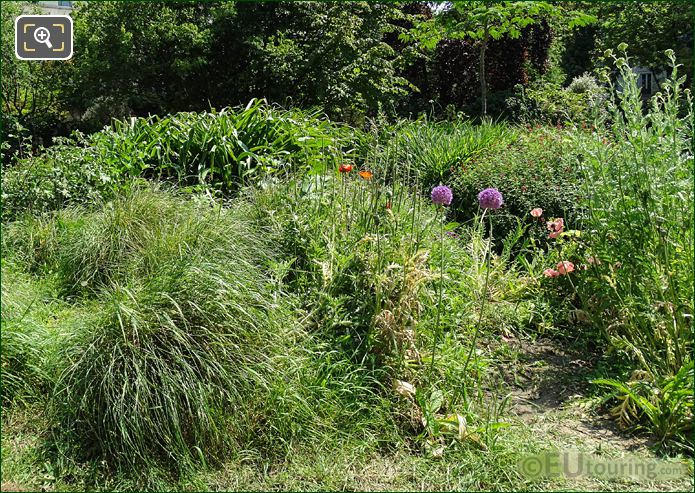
(550, 393)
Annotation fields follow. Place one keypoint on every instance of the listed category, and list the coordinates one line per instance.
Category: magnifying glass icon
(43, 35)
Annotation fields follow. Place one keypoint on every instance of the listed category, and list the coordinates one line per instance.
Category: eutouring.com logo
(573, 464)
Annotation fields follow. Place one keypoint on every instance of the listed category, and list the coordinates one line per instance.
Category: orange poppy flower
(345, 168)
(366, 174)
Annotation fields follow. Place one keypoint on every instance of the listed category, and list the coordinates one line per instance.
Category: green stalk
(484, 300)
(441, 290)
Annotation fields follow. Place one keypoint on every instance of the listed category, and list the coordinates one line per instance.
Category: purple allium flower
(442, 195)
(490, 198)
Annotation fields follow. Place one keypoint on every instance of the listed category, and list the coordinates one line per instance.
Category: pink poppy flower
(537, 212)
(550, 273)
(564, 267)
(556, 227)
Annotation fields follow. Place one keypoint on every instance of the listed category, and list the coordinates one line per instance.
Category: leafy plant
(663, 406)
(222, 149)
(533, 170)
(64, 174)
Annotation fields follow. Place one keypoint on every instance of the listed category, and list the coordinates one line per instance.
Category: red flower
(345, 168)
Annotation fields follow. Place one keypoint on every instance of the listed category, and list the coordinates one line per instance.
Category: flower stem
(441, 289)
(488, 254)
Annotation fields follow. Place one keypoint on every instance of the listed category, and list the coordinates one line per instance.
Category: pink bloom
(555, 227)
(537, 212)
(550, 273)
(593, 260)
(565, 267)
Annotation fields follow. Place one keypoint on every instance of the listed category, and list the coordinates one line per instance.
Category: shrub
(64, 174)
(549, 103)
(585, 83)
(532, 171)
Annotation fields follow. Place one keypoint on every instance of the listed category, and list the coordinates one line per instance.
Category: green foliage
(530, 171)
(24, 337)
(486, 21)
(663, 406)
(549, 103)
(357, 253)
(633, 260)
(64, 174)
(222, 150)
(184, 345)
(137, 57)
(186, 330)
(649, 28)
(362, 255)
(637, 190)
(28, 93)
(144, 57)
(434, 151)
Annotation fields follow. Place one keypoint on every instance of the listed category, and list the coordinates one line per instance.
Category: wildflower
(490, 198)
(345, 168)
(564, 267)
(388, 205)
(537, 212)
(366, 174)
(556, 227)
(550, 273)
(442, 195)
(451, 234)
(593, 260)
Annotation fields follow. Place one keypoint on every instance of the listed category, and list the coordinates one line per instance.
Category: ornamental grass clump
(188, 342)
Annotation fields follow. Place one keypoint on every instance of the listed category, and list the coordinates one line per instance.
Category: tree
(138, 58)
(29, 96)
(307, 53)
(649, 29)
(486, 20)
(160, 57)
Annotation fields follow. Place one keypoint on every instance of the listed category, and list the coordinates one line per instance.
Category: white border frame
(16, 37)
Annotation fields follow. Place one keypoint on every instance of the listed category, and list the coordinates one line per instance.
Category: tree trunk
(483, 83)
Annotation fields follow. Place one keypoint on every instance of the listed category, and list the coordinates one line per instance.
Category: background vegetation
(203, 288)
